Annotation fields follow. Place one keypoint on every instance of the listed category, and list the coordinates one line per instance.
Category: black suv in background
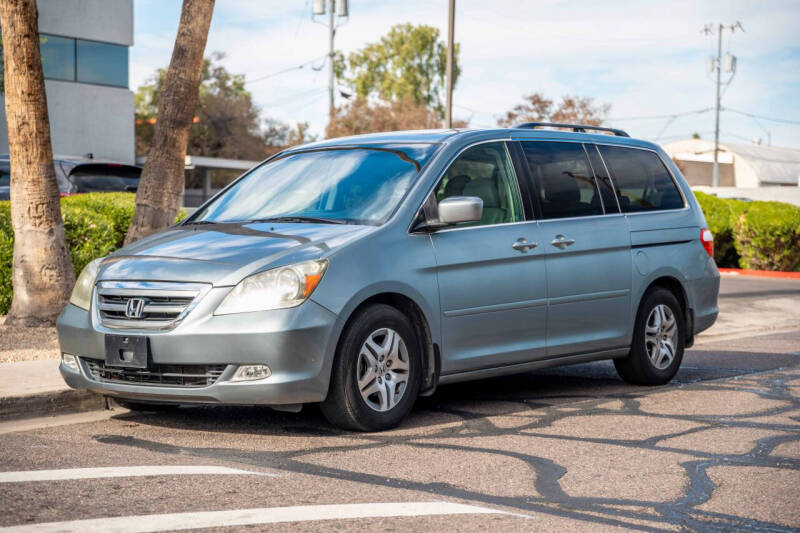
(77, 176)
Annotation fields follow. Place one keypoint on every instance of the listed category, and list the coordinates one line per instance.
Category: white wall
(86, 118)
(98, 20)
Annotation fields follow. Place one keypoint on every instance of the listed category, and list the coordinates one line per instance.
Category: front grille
(156, 304)
(156, 374)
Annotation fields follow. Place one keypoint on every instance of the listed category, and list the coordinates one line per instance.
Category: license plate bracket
(129, 351)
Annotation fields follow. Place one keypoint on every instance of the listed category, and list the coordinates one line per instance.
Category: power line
(284, 71)
(762, 117)
(657, 117)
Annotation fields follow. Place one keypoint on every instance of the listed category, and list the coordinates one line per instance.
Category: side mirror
(460, 209)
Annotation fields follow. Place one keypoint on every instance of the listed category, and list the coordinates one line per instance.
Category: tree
(360, 116)
(159, 195)
(408, 63)
(226, 122)
(571, 110)
(42, 271)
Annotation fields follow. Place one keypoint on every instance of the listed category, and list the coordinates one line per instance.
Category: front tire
(377, 371)
(658, 341)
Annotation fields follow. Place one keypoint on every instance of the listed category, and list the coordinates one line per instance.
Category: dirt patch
(25, 344)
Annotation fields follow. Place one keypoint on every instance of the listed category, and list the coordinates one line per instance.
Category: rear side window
(562, 179)
(105, 178)
(641, 179)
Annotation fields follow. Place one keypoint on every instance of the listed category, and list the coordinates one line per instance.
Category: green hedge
(767, 237)
(753, 235)
(95, 225)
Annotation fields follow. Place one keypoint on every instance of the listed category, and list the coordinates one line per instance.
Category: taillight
(707, 239)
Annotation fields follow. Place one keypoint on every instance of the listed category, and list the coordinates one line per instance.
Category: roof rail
(580, 128)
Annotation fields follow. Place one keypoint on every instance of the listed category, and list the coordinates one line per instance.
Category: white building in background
(741, 165)
(84, 47)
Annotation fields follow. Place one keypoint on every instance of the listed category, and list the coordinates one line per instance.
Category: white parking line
(268, 515)
(122, 471)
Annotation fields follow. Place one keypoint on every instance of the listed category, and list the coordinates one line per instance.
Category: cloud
(643, 58)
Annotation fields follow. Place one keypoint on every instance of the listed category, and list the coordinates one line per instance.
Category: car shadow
(508, 395)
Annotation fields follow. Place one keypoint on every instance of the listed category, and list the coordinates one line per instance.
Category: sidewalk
(35, 388)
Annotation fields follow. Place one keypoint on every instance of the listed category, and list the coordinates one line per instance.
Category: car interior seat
(486, 190)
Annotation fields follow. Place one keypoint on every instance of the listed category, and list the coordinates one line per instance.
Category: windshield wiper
(317, 220)
(198, 222)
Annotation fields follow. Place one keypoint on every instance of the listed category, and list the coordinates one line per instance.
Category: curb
(760, 273)
(49, 404)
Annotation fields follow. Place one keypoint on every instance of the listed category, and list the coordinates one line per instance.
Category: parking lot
(575, 447)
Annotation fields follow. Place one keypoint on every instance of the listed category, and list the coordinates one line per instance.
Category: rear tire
(659, 335)
(377, 371)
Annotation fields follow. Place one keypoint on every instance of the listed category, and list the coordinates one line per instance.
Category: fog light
(251, 372)
(70, 361)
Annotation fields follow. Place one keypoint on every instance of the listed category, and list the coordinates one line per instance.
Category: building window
(58, 57)
(102, 63)
(68, 59)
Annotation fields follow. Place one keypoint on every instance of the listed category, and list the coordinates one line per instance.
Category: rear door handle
(522, 245)
(562, 242)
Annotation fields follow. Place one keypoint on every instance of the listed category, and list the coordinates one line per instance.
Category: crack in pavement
(552, 499)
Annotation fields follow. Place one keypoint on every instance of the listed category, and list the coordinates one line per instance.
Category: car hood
(223, 254)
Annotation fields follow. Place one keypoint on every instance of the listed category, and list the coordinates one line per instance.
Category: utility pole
(716, 65)
(332, 33)
(451, 21)
(338, 8)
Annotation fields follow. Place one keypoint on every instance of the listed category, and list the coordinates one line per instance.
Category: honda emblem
(134, 308)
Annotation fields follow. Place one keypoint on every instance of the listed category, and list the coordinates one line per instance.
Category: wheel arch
(422, 326)
(677, 288)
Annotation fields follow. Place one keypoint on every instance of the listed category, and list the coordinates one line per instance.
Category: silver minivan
(363, 272)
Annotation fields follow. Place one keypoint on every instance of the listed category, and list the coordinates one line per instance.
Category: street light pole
(448, 111)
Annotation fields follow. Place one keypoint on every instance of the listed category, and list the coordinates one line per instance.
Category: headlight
(278, 288)
(82, 292)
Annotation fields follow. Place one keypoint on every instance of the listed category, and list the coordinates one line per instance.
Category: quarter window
(484, 171)
(562, 179)
(5, 175)
(641, 179)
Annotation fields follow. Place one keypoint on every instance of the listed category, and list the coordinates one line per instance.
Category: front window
(360, 185)
(484, 171)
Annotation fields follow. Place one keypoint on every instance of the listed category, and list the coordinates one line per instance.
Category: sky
(644, 58)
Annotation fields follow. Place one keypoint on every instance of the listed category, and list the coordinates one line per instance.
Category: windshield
(354, 185)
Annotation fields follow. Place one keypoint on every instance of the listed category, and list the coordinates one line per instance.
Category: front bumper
(298, 345)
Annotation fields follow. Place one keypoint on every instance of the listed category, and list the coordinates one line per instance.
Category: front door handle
(562, 242)
(522, 245)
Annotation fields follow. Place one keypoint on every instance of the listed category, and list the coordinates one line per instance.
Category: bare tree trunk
(42, 271)
(161, 185)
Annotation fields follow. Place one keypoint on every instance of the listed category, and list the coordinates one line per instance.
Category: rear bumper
(297, 344)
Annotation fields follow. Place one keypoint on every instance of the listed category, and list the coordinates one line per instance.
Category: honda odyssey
(363, 272)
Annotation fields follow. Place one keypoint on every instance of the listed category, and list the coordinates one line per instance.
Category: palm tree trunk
(161, 185)
(42, 275)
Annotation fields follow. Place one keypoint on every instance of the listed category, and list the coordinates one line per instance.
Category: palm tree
(42, 271)
(161, 185)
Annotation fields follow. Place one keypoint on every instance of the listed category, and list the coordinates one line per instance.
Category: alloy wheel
(661, 336)
(382, 370)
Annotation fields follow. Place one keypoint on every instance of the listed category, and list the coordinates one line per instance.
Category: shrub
(721, 215)
(95, 225)
(767, 236)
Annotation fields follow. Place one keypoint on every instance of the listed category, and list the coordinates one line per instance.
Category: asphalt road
(716, 449)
